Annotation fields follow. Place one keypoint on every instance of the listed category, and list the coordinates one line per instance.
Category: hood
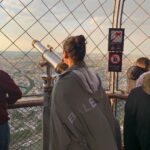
(89, 78)
(146, 84)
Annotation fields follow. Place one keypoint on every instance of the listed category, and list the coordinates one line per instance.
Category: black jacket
(137, 121)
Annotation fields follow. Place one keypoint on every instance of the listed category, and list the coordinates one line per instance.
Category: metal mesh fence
(119, 113)
(51, 21)
(136, 19)
(26, 128)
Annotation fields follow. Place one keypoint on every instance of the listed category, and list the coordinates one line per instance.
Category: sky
(51, 21)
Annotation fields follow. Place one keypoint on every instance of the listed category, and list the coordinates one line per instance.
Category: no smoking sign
(115, 61)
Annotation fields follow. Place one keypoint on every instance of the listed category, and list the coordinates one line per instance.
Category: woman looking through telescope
(81, 116)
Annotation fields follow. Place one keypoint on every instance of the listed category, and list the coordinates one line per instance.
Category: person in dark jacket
(9, 94)
(137, 117)
(141, 66)
(81, 116)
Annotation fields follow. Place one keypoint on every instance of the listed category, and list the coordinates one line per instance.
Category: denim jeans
(4, 136)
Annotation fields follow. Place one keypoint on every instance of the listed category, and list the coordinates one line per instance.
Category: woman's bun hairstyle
(75, 46)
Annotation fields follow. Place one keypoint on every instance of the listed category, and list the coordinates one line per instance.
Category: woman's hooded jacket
(81, 116)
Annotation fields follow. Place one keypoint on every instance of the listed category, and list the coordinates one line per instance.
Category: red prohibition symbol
(115, 59)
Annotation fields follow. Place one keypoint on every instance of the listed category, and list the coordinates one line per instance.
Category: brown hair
(143, 62)
(75, 46)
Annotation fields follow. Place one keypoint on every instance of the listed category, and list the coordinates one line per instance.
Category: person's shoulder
(140, 79)
(135, 89)
(4, 74)
(65, 78)
(65, 74)
(135, 92)
(145, 73)
(65, 83)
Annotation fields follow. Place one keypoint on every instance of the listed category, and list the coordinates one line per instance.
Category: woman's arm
(9, 87)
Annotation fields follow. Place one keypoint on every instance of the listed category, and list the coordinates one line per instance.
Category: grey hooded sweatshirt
(81, 117)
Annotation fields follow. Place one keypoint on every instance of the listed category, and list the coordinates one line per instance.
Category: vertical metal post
(112, 89)
(46, 109)
(112, 82)
(114, 75)
(118, 10)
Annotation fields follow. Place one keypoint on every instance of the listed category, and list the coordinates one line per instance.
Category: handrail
(38, 101)
(117, 96)
(27, 102)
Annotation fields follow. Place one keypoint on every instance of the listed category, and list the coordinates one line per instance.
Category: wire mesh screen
(136, 20)
(51, 21)
(26, 128)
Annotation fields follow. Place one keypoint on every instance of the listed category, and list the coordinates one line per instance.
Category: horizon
(55, 20)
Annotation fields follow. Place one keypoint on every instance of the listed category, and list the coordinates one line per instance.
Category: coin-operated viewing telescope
(50, 56)
(52, 61)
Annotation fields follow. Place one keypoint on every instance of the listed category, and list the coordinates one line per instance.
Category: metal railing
(26, 121)
(26, 124)
(51, 21)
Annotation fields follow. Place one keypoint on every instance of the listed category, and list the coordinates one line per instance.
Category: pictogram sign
(115, 61)
(116, 39)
